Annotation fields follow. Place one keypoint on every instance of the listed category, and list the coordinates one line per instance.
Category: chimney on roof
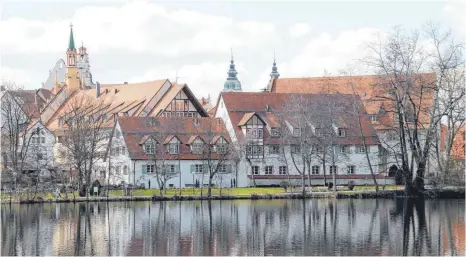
(97, 89)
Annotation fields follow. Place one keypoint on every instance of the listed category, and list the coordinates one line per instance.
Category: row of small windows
(297, 132)
(276, 149)
(174, 148)
(315, 170)
(194, 168)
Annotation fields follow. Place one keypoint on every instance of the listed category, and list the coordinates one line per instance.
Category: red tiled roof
(134, 129)
(240, 103)
(367, 87)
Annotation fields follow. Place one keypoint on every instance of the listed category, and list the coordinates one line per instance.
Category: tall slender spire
(71, 43)
(274, 73)
(232, 82)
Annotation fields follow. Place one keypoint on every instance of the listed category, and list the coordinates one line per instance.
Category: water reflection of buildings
(314, 227)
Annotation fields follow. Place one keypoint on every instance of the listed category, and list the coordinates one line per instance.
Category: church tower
(274, 75)
(232, 83)
(72, 76)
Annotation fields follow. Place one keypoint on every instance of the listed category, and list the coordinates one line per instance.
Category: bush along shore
(429, 194)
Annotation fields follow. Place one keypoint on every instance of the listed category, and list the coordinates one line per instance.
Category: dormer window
(341, 132)
(297, 132)
(275, 132)
(221, 148)
(373, 117)
(149, 147)
(196, 148)
(173, 148)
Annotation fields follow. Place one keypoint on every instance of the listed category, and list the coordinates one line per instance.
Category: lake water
(242, 227)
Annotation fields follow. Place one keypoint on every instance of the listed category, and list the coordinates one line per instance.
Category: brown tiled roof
(246, 117)
(240, 103)
(30, 100)
(134, 129)
(367, 87)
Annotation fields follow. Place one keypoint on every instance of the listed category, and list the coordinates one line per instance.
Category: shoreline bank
(428, 194)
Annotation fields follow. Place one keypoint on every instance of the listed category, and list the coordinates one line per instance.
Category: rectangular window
(173, 148)
(274, 149)
(275, 132)
(196, 148)
(221, 148)
(341, 132)
(222, 168)
(125, 170)
(199, 168)
(42, 140)
(315, 170)
(351, 169)
(40, 156)
(282, 170)
(149, 148)
(343, 149)
(333, 169)
(171, 168)
(255, 170)
(260, 133)
(150, 168)
(268, 170)
(117, 170)
(117, 151)
(318, 132)
(373, 117)
(295, 148)
(60, 139)
(362, 149)
(297, 132)
(117, 134)
(123, 150)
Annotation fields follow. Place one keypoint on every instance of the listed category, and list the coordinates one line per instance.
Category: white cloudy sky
(146, 40)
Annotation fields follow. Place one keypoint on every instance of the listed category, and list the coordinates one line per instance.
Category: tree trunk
(419, 180)
(324, 170)
(209, 190)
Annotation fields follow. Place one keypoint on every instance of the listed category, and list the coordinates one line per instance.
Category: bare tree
(359, 113)
(297, 133)
(16, 143)
(216, 149)
(84, 119)
(414, 97)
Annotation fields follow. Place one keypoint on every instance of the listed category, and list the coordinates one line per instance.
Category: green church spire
(71, 44)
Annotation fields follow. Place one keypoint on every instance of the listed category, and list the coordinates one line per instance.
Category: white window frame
(362, 149)
(255, 170)
(221, 148)
(150, 168)
(343, 149)
(260, 133)
(198, 168)
(196, 148)
(149, 148)
(282, 170)
(333, 168)
(351, 169)
(275, 132)
(297, 132)
(315, 170)
(173, 148)
(341, 132)
(274, 149)
(268, 170)
(222, 168)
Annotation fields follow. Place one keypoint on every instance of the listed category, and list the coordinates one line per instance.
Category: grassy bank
(238, 193)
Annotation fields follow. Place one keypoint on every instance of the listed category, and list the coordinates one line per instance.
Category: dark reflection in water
(263, 227)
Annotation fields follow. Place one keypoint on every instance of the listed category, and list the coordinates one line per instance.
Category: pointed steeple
(232, 82)
(71, 43)
(274, 73)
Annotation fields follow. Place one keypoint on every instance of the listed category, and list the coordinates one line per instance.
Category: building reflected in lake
(262, 227)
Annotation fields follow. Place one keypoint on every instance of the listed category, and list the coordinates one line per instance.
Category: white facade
(274, 168)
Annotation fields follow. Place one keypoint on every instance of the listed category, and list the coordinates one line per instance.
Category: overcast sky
(146, 40)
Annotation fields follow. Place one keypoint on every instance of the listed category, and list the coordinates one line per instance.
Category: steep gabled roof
(244, 104)
(136, 129)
